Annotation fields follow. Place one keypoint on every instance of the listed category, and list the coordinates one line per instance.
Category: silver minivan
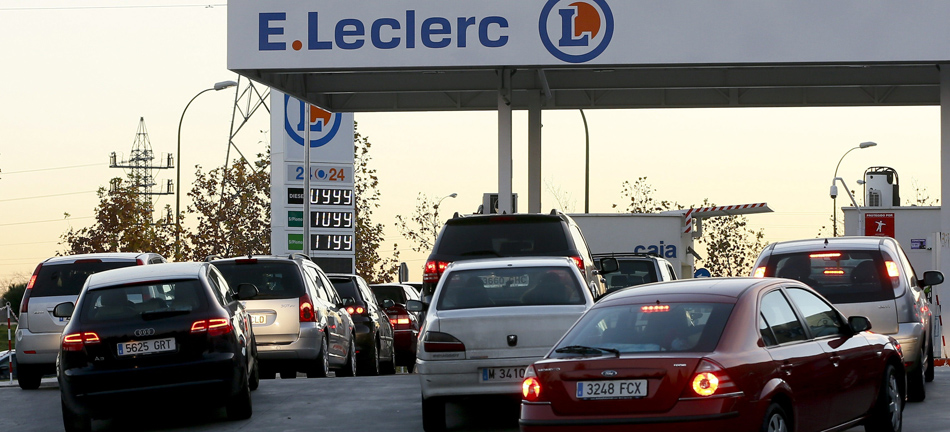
(57, 280)
(871, 277)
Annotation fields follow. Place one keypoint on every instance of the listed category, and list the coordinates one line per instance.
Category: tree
(639, 197)
(921, 196)
(565, 201)
(13, 295)
(369, 235)
(233, 220)
(731, 245)
(424, 226)
(123, 224)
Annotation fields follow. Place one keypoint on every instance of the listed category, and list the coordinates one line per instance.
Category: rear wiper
(581, 349)
(482, 252)
(164, 313)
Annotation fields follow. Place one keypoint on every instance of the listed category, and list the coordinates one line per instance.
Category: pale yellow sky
(80, 74)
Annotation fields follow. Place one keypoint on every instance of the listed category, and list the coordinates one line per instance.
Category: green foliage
(13, 295)
(731, 245)
(423, 228)
(369, 235)
(639, 198)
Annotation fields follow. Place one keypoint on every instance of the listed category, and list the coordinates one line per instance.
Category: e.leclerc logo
(323, 124)
(576, 31)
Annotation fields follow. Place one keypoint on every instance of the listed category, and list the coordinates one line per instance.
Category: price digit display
(331, 219)
(332, 242)
(331, 196)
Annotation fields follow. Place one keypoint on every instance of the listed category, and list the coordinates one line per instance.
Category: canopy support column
(534, 151)
(504, 143)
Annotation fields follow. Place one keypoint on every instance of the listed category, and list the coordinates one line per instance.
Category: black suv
(375, 350)
(485, 236)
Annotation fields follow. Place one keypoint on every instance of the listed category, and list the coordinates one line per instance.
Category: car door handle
(835, 359)
(787, 368)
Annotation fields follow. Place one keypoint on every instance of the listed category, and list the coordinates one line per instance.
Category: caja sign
(576, 31)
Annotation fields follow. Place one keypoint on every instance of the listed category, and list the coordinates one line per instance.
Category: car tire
(776, 420)
(411, 366)
(255, 380)
(916, 392)
(73, 421)
(929, 373)
(389, 368)
(349, 368)
(288, 374)
(433, 415)
(887, 413)
(28, 377)
(239, 406)
(322, 366)
(369, 363)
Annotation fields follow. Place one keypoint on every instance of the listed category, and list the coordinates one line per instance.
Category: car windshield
(68, 279)
(494, 239)
(389, 292)
(146, 301)
(840, 276)
(510, 286)
(646, 328)
(273, 279)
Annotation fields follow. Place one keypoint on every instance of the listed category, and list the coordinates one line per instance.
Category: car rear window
(649, 327)
(492, 237)
(840, 276)
(68, 279)
(273, 279)
(514, 286)
(149, 301)
(394, 293)
(632, 272)
(346, 287)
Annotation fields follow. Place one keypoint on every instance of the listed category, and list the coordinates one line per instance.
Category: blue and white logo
(323, 124)
(576, 31)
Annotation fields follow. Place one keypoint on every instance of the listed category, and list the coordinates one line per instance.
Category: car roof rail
(299, 255)
(212, 257)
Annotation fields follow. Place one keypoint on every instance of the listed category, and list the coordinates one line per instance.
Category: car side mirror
(64, 310)
(609, 265)
(388, 304)
(415, 306)
(247, 291)
(859, 324)
(933, 277)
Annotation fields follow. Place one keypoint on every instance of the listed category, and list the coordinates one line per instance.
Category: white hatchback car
(488, 320)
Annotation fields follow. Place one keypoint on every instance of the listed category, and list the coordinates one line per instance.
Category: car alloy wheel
(322, 366)
(887, 414)
(775, 419)
(916, 392)
(349, 368)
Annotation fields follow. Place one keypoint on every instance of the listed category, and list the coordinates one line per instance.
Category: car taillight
(355, 310)
(214, 326)
(892, 270)
(139, 261)
(306, 309)
(433, 270)
(441, 342)
(25, 303)
(759, 272)
(710, 379)
(655, 308)
(579, 262)
(400, 322)
(531, 386)
(77, 341)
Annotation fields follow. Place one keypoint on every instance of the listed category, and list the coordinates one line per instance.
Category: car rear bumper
(37, 348)
(405, 343)
(305, 347)
(446, 378)
(95, 391)
(718, 414)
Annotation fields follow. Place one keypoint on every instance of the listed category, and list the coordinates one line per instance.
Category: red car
(738, 354)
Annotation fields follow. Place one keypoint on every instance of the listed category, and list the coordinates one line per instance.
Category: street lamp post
(217, 86)
(435, 217)
(586, 164)
(834, 196)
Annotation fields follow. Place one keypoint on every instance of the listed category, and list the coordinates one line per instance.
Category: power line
(47, 196)
(205, 6)
(44, 221)
(27, 243)
(50, 169)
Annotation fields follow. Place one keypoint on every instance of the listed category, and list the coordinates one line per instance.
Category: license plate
(611, 389)
(146, 347)
(258, 319)
(503, 374)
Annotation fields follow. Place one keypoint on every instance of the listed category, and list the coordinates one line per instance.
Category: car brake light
(245, 261)
(355, 310)
(579, 262)
(433, 270)
(892, 270)
(825, 255)
(710, 379)
(214, 326)
(833, 272)
(759, 272)
(139, 261)
(441, 342)
(77, 341)
(531, 386)
(306, 309)
(400, 322)
(655, 308)
(25, 303)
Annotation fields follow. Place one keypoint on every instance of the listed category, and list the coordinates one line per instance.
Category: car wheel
(776, 420)
(389, 368)
(929, 373)
(28, 377)
(433, 415)
(915, 382)
(369, 363)
(411, 366)
(255, 380)
(887, 414)
(75, 422)
(322, 367)
(239, 406)
(349, 368)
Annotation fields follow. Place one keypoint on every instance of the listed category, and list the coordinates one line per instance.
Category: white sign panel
(375, 34)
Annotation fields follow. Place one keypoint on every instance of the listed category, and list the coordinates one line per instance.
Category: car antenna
(826, 242)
